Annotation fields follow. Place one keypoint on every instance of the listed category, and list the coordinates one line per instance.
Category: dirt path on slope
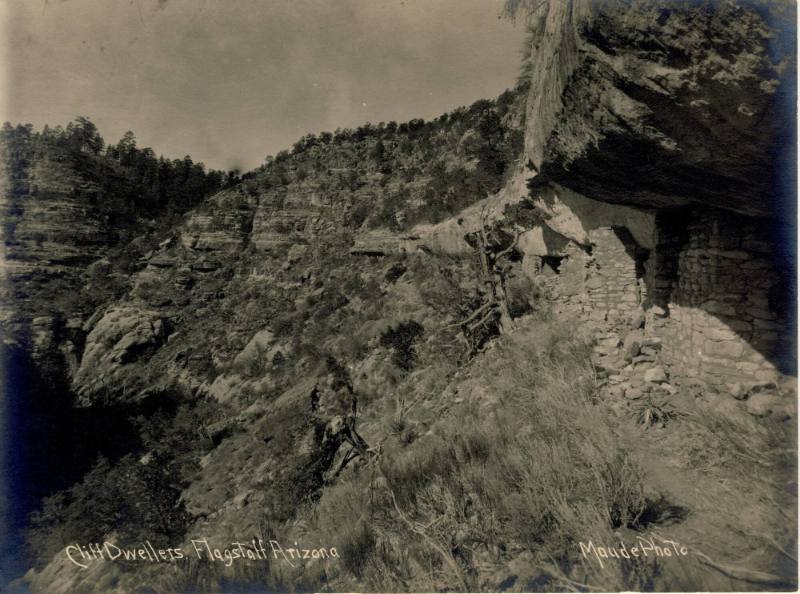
(721, 482)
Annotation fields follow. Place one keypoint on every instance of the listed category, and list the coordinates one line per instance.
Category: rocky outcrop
(448, 236)
(636, 112)
(660, 104)
(48, 244)
(217, 231)
(276, 227)
(256, 350)
(676, 296)
(55, 232)
(381, 243)
(123, 335)
(299, 217)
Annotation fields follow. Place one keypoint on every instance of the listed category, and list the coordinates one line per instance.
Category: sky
(232, 81)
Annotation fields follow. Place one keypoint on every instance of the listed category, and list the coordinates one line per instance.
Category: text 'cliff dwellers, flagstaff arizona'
(543, 341)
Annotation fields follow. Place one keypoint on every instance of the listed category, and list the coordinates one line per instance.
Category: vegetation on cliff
(392, 175)
(282, 385)
(117, 183)
(387, 175)
(78, 214)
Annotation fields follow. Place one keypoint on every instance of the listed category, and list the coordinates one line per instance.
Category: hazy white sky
(230, 81)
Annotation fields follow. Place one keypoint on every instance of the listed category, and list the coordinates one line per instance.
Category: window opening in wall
(551, 265)
(515, 256)
(640, 256)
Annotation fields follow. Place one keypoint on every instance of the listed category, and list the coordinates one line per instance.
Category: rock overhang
(637, 107)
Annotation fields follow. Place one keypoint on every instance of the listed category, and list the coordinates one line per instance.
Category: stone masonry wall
(725, 320)
(615, 287)
(564, 277)
(603, 281)
(713, 289)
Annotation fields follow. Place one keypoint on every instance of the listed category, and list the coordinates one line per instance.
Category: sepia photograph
(398, 296)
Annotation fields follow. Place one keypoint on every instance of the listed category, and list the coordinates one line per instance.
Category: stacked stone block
(715, 288)
(615, 287)
(726, 322)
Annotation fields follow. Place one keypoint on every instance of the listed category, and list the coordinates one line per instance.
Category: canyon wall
(659, 157)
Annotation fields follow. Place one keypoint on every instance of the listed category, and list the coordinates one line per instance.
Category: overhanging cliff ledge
(660, 147)
(658, 104)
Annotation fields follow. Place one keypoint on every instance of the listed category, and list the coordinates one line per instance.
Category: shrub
(401, 339)
(130, 498)
(173, 436)
(357, 544)
(521, 293)
(541, 472)
(359, 215)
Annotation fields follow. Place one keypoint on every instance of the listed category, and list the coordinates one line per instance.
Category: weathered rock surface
(48, 244)
(256, 349)
(382, 242)
(655, 375)
(648, 123)
(123, 335)
(687, 99)
(607, 103)
(224, 227)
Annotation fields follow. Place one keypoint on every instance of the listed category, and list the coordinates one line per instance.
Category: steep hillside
(72, 208)
(467, 354)
(255, 288)
(77, 215)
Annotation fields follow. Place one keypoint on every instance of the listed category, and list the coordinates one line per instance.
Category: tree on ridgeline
(124, 182)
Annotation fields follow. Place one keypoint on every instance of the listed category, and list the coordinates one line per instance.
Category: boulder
(123, 335)
(631, 351)
(649, 351)
(608, 341)
(737, 390)
(223, 388)
(652, 342)
(763, 404)
(655, 375)
(642, 359)
(257, 347)
(632, 345)
(616, 391)
(633, 393)
(658, 312)
(669, 389)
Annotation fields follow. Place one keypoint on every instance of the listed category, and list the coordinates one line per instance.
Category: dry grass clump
(755, 491)
(193, 576)
(655, 412)
(535, 473)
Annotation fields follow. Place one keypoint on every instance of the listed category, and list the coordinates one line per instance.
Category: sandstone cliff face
(54, 233)
(123, 335)
(631, 112)
(50, 241)
(664, 103)
(648, 123)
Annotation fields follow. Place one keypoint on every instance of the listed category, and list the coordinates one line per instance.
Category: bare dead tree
(492, 254)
